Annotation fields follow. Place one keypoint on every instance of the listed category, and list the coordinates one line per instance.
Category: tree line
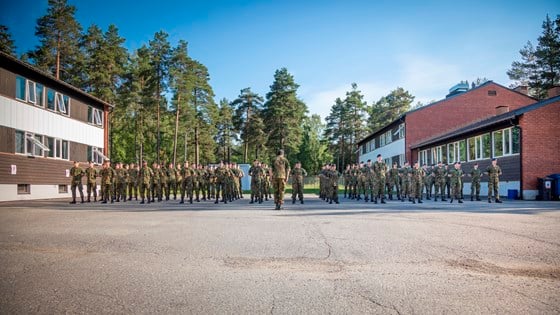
(165, 108)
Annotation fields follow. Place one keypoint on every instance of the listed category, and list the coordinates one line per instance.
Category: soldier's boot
(293, 200)
(190, 200)
(149, 200)
(383, 200)
(265, 197)
(428, 197)
(142, 202)
(104, 201)
(451, 200)
(402, 199)
(366, 199)
(420, 200)
(166, 198)
(216, 202)
(477, 198)
(375, 200)
(182, 200)
(489, 200)
(301, 201)
(330, 202)
(413, 200)
(252, 200)
(460, 201)
(82, 199)
(260, 200)
(88, 200)
(73, 201)
(390, 196)
(443, 199)
(498, 201)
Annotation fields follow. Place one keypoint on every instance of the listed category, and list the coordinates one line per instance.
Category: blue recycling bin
(513, 194)
(555, 186)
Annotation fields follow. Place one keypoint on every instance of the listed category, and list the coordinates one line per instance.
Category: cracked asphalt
(316, 258)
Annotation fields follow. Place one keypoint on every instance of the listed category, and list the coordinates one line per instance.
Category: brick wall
(540, 150)
(458, 111)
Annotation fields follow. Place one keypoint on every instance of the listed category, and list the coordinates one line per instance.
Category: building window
(21, 88)
(95, 116)
(30, 144)
(505, 142)
(62, 103)
(58, 148)
(401, 131)
(364, 148)
(31, 96)
(62, 189)
(424, 157)
(515, 141)
(388, 137)
(402, 159)
(20, 142)
(23, 189)
(492, 93)
(50, 99)
(479, 147)
(39, 95)
(96, 155)
(29, 91)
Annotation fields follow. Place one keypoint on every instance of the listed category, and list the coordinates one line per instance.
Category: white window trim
(30, 89)
(100, 155)
(28, 136)
(59, 104)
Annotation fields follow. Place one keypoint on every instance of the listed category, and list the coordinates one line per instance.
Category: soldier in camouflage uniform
(475, 176)
(367, 174)
(156, 182)
(417, 180)
(107, 173)
(494, 172)
(427, 180)
(279, 173)
(333, 176)
(145, 175)
(255, 182)
(122, 182)
(133, 181)
(405, 174)
(380, 177)
(163, 180)
(266, 181)
(447, 181)
(187, 173)
(179, 178)
(355, 194)
(324, 183)
(211, 182)
(456, 175)
(171, 176)
(297, 175)
(91, 175)
(393, 181)
(439, 175)
(76, 173)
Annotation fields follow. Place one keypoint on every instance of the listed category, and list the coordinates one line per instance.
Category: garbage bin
(545, 188)
(555, 186)
(512, 194)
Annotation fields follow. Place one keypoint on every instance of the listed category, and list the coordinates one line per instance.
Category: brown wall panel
(7, 83)
(7, 139)
(78, 152)
(78, 110)
(33, 170)
(510, 165)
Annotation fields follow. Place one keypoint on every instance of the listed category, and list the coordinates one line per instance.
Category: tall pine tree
(247, 105)
(7, 44)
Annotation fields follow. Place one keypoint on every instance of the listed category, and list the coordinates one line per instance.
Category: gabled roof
(487, 122)
(6, 59)
(378, 130)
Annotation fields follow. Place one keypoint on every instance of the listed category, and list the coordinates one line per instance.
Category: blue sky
(423, 46)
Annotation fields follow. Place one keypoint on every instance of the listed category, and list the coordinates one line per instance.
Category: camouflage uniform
(91, 182)
(417, 179)
(297, 174)
(280, 173)
(221, 182)
(257, 173)
(456, 185)
(107, 173)
(332, 176)
(440, 174)
(475, 175)
(188, 183)
(494, 173)
(76, 173)
(406, 178)
(393, 180)
(156, 183)
(379, 172)
(133, 182)
(171, 176)
(145, 176)
(369, 181)
(347, 179)
(122, 182)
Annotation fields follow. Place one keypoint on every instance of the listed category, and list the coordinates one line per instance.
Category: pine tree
(247, 105)
(389, 107)
(7, 44)
(314, 151)
(338, 132)
(59, 33)
(283, 115)
(225, 134)
(356, 110)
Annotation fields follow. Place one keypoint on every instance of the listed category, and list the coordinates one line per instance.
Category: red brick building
(526, 142)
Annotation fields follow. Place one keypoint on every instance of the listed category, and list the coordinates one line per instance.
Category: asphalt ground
(316, 258)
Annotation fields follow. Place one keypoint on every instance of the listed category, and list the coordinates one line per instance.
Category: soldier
(393, 180)
(405, 174)
(91, 175)
(255, 182)
(347, 178)
(379, 172)
(279, 174)
(456, 178)
(494, 172)
(324, 182)
(122, 182)
(447, 181)
(76, 173)
(368, 176)
(107, 173)
(417, 180)
(133, 181)
(440, 174)
(354, 182)
(235, 180)
(333, 184)
(114, 182)
(171, 175)
(145, 181)
(475, 176)
(188, 181)
(221, 181)
(240, 175)
(427, 181)
(297, 174)
(156, 182)
(266, 181)
(164, 180)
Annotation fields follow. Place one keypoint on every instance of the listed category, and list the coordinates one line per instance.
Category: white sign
(547, 184)
(14, 169)
(67, 173)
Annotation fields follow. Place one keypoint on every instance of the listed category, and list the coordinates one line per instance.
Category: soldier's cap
(280, 152)
(107, 161)
(369, 160)
(379, 155)
(494, 159)
(90, 161)
(475, 163)
(144, 162)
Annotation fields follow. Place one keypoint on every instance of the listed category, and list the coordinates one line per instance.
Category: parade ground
(316, 258)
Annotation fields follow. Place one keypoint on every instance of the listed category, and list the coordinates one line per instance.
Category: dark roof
(378, 130)
(487, 122)
(6, 59)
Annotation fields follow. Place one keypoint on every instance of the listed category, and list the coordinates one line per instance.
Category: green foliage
(248, 122)
(59, 33)
(314, 150)
(539, 68)
(389, 107)
(7, 44)
(283, 114)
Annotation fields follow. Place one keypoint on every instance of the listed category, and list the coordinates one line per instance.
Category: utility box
(555, 186)
(545, 188)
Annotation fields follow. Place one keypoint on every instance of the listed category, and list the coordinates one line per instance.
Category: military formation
(376, 182)
(370, 181)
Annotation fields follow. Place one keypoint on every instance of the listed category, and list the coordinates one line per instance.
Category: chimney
(553, 91)
(502, 109)
(458, 88)
(524, 89)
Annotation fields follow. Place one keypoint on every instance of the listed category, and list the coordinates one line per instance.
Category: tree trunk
(196, 151)
(158, 134)
(176, 129)
(58, 56)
